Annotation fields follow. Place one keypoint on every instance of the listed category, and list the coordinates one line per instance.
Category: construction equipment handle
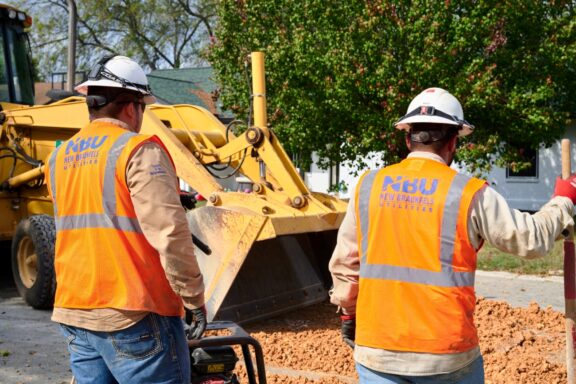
(569, 274)
(566, 159)
(201, 245)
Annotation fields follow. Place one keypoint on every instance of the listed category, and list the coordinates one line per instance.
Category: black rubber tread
(42, 232)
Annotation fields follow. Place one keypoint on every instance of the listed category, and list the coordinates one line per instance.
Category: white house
(528, 190)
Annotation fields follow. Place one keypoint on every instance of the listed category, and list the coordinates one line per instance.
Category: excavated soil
(519, 345)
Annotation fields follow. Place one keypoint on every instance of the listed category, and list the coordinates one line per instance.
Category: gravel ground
(520, 344)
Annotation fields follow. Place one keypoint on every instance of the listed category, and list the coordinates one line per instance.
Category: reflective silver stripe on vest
(109, 190)
(95, 220)
(363, 206)
(421, 276)
(108, 219)
(447, 277)
(52, 167)
(450, 219)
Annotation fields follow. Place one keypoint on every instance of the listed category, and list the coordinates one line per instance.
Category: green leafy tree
(156, 33)
(339, 73)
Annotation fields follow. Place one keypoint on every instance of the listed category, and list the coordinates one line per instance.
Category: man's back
(119, 268)
(412, 246)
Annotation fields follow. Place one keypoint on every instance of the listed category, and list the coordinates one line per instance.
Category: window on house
(530, 155)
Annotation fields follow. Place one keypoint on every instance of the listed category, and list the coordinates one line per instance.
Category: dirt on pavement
(519, 345)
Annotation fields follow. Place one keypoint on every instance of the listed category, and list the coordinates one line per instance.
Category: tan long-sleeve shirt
(490, 219)
(153, 186)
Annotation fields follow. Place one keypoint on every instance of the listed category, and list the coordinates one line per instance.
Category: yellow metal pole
(569, 275)
(259, 92)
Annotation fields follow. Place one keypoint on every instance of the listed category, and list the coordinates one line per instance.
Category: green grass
(492, 259)
(4, 353)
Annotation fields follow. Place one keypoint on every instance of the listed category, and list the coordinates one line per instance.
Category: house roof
(185, 86)
(40, 93)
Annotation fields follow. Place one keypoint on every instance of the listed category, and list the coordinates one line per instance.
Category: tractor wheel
(33, 260)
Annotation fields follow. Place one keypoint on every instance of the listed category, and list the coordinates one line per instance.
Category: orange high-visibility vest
(102, 258)
(417, 266)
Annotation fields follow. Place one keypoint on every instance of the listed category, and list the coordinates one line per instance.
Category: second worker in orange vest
(404, 264)
(124, 259)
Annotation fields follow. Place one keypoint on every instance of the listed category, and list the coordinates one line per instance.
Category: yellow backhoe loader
(262, 251)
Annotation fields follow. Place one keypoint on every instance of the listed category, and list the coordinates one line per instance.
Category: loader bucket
(246, 279)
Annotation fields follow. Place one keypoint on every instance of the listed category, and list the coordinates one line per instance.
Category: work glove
(196, 319)
(566, 188)
(348, 329)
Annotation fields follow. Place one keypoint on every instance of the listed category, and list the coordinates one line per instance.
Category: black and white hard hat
(435, 105)
(118, 72)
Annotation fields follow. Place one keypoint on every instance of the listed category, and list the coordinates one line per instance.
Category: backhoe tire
(33, 260)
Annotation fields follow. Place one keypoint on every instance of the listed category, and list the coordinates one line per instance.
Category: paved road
(520, 290)
(36, 353)
(32, 350)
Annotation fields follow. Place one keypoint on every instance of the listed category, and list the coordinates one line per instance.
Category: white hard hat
(118, 72)
(435, 105)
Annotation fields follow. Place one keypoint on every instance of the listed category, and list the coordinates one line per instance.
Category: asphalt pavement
(32, 350)
(521, 290)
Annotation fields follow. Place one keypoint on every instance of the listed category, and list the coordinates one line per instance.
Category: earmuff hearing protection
(96, 101)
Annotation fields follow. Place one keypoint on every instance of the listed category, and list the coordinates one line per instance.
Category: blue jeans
(154, 350)
(471, 374)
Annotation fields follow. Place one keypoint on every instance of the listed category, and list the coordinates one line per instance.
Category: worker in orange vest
(124, 258)
(404, 264)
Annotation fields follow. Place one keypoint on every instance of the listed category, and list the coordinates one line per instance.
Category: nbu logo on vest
(83, 151)
(82, 144)
(408, 193)
(413, 185)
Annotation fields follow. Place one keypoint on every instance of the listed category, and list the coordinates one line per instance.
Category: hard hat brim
(404, 124)
(83, 88)
(425, 119)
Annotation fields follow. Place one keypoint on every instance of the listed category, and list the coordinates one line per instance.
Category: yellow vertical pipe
(259, 91)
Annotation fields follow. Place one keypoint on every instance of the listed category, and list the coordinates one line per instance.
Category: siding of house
(531, 193)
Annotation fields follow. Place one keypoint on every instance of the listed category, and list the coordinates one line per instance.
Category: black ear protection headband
(96, 101)
(429, 136)
(96, 72)
(101, 72)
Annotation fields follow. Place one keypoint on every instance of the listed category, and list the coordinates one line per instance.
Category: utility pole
(71, 45)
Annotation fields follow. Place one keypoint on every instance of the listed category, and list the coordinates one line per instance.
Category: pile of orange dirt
(519, 345)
